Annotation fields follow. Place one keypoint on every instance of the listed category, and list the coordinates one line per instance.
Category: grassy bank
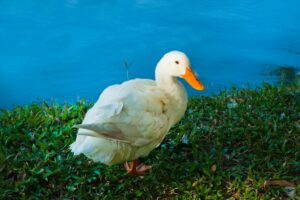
(232, 145)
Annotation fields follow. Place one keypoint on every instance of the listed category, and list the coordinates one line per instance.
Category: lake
(72, 49)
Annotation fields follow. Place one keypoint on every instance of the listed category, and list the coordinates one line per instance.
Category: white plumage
(130, 119)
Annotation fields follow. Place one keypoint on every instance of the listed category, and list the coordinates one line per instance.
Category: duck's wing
(133, 113)
(106, 131)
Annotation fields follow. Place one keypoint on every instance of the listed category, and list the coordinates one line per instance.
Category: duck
(131, 119)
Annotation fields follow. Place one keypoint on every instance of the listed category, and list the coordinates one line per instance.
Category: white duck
(130, 119)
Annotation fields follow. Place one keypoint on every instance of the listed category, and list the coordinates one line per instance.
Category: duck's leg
(133, 168)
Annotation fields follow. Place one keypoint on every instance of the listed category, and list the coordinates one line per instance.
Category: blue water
(73, 49)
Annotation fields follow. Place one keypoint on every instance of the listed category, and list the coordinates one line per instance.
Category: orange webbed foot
(133, 168)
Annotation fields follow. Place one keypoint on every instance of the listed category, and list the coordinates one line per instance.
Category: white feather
(142, 110)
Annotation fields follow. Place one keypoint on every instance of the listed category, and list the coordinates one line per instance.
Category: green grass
(248, 136)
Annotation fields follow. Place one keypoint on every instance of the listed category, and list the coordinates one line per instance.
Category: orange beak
(191, 78)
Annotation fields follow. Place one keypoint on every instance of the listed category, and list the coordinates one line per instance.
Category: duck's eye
(177, 62)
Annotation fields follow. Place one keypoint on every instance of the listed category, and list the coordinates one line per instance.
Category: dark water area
(73, 49)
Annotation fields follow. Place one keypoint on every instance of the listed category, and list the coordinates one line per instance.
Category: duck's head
(177, 64)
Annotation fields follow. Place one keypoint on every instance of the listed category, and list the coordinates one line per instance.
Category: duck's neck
(166, 82)
(174, 90)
